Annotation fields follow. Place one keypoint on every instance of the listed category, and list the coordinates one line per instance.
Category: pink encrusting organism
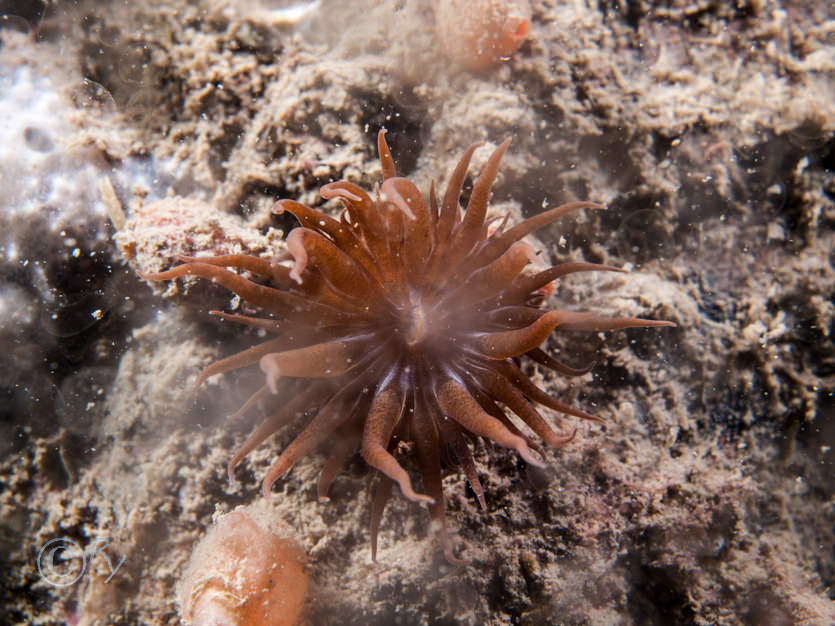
(246, 571)
(477, 34)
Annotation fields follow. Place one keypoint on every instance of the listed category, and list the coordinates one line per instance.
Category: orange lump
(243, 574)
(477, 34)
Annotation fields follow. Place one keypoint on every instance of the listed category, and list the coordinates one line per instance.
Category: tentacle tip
(266, 488)
(148, 275)
(657, 323)
(536, 462)
(278, 208)
(558, 442)
(410, 494)
(324, 499)
(525, 453)
(422, 499)
(272, 372)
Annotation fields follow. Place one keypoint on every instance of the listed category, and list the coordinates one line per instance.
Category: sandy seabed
(138, 131)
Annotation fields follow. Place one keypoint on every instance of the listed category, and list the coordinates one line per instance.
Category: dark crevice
(403, 115)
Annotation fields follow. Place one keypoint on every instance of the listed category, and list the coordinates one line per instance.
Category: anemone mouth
(402, 321)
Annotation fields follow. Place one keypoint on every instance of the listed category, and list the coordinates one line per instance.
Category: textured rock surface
(705, 498)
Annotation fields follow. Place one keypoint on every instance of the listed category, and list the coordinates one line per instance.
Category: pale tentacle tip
(525, 452)
(267, 487)
(271, 371)
(657, 323)
(420, 498)
(425, 501)
(149, 275)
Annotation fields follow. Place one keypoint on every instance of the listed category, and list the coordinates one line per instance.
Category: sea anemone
(398, 330)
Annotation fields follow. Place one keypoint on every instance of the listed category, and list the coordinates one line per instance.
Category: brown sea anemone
(399, 329)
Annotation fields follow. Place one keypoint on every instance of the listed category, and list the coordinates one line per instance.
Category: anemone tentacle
(403, 320)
